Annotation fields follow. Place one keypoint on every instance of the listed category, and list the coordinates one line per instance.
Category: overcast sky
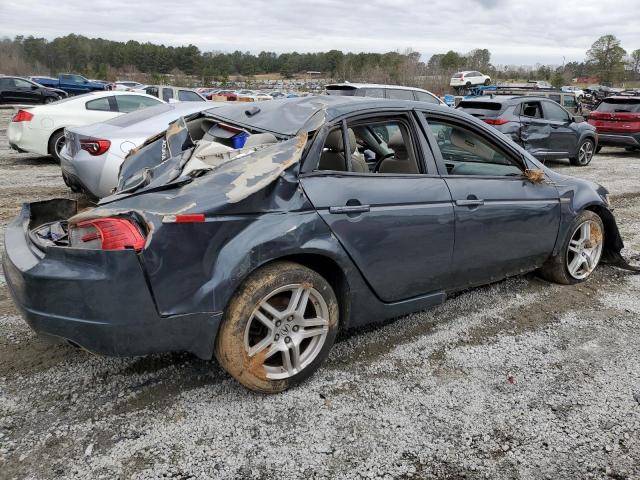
(515, 31)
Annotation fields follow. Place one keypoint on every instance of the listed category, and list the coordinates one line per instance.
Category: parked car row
(256, 233)
(19, 90)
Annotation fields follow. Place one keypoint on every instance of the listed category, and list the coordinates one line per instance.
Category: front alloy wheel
(278, 327)
(580, 253)
(584, 250)
(585, 153)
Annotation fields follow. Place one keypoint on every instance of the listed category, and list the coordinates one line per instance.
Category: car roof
(376, 85)
(288, 116)
(622, 97)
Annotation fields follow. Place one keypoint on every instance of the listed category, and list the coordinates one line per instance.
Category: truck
(71, 83)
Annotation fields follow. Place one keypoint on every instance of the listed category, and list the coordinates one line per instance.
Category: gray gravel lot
(520, 379)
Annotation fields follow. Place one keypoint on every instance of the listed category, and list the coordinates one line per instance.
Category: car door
(564, 140)
(505, 224)
(27, 92)
(7, 90)
(535, 130)
(397, 227)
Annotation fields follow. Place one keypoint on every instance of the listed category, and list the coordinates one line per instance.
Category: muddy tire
(56, 142)
(586, 150)
(580, 254)
(278, 327)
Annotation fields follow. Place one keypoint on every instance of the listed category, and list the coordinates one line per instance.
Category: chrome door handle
(469, 203)
(350, 209)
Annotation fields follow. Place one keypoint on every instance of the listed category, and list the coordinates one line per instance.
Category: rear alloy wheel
(581, 252)
(585, 153)
(56, 144)
(278, 328)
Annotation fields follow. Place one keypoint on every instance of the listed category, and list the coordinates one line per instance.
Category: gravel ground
(520, 379)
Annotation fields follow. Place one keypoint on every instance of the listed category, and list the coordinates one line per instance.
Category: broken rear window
(631, 105)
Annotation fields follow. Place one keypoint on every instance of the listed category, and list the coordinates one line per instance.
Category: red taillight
(22, 116)
(495, 121)
(95, 147)
(106, 234)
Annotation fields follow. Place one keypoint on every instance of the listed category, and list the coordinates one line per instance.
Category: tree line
(108, 59)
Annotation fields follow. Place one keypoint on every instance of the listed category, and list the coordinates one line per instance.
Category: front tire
(487, 82)
(580, 253)
(585, 153)
(278, 327)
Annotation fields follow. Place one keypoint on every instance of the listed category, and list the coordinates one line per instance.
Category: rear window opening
(480, 109)
(620, 105)
(342, 90)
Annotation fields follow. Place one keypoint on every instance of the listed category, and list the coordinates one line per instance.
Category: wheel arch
(613, 243)
(51, 138)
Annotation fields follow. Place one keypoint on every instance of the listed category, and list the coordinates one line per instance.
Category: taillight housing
(95, 147)
(111, 233)
(22, 116)
(495, 121)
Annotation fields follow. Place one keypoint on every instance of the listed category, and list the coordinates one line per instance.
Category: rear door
(396, 227)
(505, 224)
(563, 140)
(535, 131)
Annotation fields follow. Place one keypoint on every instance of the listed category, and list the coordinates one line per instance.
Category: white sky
(516, 31)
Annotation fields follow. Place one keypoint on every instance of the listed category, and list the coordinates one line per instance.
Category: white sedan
(41, 129)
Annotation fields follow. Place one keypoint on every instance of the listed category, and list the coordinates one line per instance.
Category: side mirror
(86, 81)
(34, 87)
(577, 119)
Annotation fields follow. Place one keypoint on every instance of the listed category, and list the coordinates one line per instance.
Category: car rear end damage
(97, 298)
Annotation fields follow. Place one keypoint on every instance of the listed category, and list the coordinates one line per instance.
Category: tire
(631, 149)
(56, 142)
(586, 240)
(50, 100)
(468, 85)
(585, 153)
(261, 321)
(487, 82)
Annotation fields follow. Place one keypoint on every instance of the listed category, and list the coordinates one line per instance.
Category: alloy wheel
(288, 330)
(585, 154)
(584, 250)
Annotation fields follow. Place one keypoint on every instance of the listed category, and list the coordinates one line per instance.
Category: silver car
(92, 155)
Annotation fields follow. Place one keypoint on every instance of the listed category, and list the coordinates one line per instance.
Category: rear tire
(278, 327)
(585, 153)
(580, 253)
(56, 143)
(487, 82)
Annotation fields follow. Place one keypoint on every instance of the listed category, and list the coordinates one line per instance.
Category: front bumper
(619, 139)
(97, 299)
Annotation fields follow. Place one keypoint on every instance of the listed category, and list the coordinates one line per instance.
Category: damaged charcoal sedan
(254, 234)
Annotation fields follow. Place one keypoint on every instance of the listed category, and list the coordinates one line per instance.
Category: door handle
(350, 209)
(470, 202)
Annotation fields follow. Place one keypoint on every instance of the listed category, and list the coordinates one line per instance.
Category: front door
(564, 141)
(535, 131)
(392, 213)
(505, 224)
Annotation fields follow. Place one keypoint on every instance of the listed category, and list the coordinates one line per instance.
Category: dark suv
(617, 120)
(540, 125)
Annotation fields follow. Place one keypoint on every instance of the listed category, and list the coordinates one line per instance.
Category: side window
(152, 91)
(22, 83)
(66, 78)
(425, 97)
(376, 146)
(7, 83)
(555, 98)
(100, 104)
(398, 94)
(131, 103)
(554, 112)
(373, 92)
(532, 110)
(167, 94)
(465, 153)
(569, 101)
(189, 96)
